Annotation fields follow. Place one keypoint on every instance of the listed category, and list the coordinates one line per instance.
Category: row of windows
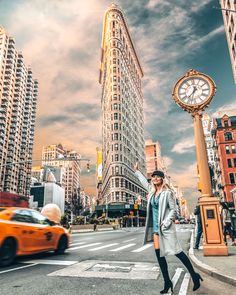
(227, 149)
(116, 53)
(117, 44)
(117, 170)
(120, 196)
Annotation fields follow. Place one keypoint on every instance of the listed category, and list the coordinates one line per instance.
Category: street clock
(194, 91)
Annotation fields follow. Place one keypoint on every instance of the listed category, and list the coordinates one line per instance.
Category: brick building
(225, 136)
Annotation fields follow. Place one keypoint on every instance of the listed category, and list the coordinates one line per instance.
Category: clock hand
(194, 90)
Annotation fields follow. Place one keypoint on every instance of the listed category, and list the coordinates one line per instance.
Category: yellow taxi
(25, 231)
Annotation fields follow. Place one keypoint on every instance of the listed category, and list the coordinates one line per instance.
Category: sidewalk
(75, 231)
(86, 228)
(222, 268)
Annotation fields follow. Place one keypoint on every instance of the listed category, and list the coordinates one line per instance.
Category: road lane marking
(123, 247)
(84, 246)
(176, 276)
(184, 286)
(13, 269)
(142, 248)
(76, 244)
(102, 247)
(129, 240)
(52, 262)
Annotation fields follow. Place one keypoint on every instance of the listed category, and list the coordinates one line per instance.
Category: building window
(227, 150)
(231, 178)
(117, 169)
(117, 196)
(233, 149)
(229, 163)
(116, 147)
(234, 162)
(116, 157)
(233, 48)
(117, 182)
(226, 123)
(228, 135)
(116, 126)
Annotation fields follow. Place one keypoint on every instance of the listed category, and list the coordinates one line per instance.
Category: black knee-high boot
(195, 276)
(164, 270)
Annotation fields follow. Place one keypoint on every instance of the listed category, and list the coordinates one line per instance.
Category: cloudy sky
(61, 40)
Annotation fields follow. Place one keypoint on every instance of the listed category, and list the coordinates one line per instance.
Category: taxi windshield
(2, 209)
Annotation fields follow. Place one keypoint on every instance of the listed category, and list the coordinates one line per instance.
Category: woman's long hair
(165, 186)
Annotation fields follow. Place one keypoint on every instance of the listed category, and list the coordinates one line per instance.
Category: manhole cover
(111, 267)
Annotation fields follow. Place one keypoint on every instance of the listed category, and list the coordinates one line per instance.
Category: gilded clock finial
(191, 72)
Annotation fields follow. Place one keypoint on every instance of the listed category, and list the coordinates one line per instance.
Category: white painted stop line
(52, 262)
(142, 248)
(16, 268)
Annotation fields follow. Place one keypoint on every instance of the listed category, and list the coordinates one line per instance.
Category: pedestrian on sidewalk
(197, 213)
(160, 227)
(227, 226)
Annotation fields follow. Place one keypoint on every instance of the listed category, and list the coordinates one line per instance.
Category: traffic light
(88, 167)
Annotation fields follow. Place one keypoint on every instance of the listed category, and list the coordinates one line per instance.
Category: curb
(76, 231)
(211, 271)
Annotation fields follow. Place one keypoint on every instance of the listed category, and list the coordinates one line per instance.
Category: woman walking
(160, 227)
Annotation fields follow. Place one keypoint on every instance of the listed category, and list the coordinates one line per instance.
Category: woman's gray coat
(169, 244)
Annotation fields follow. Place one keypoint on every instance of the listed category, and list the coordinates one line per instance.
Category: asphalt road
(113, 262)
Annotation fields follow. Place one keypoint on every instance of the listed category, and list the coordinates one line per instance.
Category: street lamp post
(194, 92)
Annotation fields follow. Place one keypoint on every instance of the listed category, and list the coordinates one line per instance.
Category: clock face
(194, 91)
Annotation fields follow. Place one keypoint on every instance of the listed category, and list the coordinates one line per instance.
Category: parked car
(25, 231)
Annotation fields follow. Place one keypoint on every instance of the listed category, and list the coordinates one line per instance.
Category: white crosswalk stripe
(142, 248)
(103, 247)
(76, 244)
(176, 276)
(83, 246)
(184, 286)
(123, 247)
(128, 241)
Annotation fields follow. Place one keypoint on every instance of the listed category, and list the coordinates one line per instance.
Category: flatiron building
(122, 111)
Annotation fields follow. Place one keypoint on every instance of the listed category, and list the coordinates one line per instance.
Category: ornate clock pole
(193, 93)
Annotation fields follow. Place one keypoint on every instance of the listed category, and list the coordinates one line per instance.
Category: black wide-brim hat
(158, 173)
